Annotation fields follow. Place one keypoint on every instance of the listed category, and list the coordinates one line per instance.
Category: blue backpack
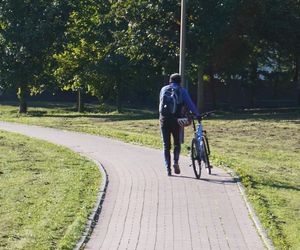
(170, 102)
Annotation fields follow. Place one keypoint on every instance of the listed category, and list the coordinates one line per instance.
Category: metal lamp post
(182, 42)
(182, 53)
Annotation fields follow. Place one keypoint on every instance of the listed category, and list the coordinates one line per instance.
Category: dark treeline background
(240, 53)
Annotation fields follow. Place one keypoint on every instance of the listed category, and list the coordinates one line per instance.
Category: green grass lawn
(263, 147)
(46, 194)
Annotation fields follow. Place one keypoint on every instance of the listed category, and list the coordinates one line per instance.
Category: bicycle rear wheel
(195, 159)
(204, 159)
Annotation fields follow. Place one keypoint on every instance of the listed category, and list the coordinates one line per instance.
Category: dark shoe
(176, 168)
(169, 172)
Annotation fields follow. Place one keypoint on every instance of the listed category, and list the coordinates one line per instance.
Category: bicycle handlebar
(203, 115)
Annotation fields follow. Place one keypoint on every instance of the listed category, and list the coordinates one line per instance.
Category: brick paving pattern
(145, 209)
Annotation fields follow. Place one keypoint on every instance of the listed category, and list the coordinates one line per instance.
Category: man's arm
(188, 101)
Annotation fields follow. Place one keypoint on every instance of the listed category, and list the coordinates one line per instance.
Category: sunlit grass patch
(46, 194)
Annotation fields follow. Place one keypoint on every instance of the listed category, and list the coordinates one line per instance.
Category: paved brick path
(146, 209)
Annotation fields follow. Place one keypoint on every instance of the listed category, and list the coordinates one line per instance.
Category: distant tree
(30, 32)
(151, 31)
(242, 38)
(281, 29)
(91, 58)
(147, 35)
(86, 36)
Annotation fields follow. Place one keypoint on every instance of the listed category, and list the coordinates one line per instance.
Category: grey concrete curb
(93, 218)
(261, 231)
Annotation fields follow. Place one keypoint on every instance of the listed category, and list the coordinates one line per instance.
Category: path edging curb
(261, 231)
(93, 218)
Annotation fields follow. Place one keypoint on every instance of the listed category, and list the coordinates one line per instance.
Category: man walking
(172, 100)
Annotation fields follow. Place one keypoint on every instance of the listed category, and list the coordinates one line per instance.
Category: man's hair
(175, 78)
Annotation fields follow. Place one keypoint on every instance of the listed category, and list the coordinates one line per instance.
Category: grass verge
(46, 194)
(263, 147)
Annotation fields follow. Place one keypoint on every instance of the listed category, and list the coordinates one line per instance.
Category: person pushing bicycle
(172, 99)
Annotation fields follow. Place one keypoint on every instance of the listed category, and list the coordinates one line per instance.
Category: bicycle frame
(200, 148)
(199, 133)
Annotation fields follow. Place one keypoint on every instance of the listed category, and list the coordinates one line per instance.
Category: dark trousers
(168, 128)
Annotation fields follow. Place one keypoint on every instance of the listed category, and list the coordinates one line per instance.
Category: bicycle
(200, 150)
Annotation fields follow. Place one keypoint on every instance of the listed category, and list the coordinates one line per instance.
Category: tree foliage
(117, 50)
(30, 32)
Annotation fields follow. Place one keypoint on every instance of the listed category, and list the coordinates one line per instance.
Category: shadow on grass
(36, 113)
(291, 114)
(93, 110)
(107, 117)
(278, 185)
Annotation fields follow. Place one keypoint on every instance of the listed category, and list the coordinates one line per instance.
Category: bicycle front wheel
(195, 159)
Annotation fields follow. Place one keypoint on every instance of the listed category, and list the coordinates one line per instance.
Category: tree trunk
(253, 83)
(252, 96)
(200, 90)
(119, 96)
(297, 77)
(80, 105)
(213, 89)
(22, 96)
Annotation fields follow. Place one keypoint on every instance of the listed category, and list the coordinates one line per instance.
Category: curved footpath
(146, 209)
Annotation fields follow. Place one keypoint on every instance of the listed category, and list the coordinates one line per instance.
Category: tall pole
(182, 53)
(182, 42)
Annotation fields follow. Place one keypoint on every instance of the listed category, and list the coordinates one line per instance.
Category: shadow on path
(212, 180)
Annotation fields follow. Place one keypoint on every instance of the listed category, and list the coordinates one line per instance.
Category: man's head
(175, 78)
